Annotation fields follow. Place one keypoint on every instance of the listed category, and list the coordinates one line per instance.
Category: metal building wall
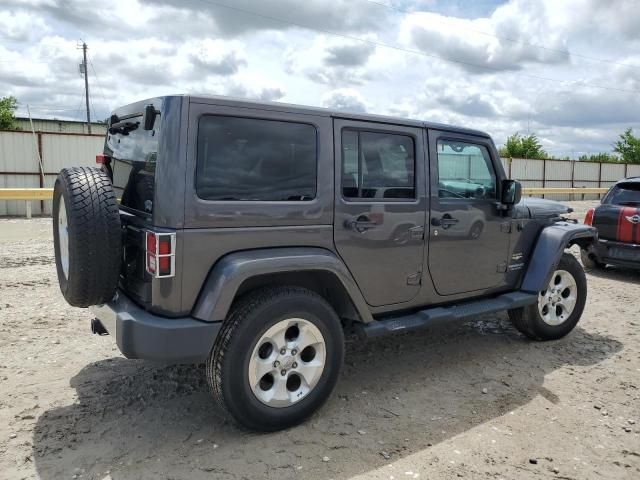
(567, 173)
(59, 126)
(19, 166)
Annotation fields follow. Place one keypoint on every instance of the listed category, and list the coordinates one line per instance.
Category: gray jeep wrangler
(251, 236)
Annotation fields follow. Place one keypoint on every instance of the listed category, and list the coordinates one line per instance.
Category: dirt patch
(471, 400)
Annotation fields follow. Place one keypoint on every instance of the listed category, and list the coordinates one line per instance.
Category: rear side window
(133, 153)
(254, 159)
(624, 194)
(378, 165)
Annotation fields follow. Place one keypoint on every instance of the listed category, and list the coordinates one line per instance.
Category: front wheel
(560, 304)
(590, 263)
(277, 357)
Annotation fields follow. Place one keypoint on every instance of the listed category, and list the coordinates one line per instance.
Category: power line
(95, 75)
(412, 51)
(513, 40)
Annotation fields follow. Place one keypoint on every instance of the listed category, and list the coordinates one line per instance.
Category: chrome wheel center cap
(286, 361)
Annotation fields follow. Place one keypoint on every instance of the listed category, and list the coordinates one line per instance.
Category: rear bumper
(616, 253)
(140, 334)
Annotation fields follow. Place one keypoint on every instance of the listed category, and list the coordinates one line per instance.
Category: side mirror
(511, 192)
(149, 117)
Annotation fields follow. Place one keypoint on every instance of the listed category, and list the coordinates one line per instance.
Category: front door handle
(445, 222)
(360, 224)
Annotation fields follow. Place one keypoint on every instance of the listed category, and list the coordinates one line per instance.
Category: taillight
(588, 218)
(160, 254)
(102, 159)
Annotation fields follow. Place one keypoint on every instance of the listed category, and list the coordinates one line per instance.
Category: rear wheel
(590, 263)
(277, 357)
(560, 304)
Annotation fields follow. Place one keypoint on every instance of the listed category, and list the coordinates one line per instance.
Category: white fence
(567, 174)
(19, 165)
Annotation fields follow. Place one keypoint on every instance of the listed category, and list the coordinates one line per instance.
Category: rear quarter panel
(214, 228)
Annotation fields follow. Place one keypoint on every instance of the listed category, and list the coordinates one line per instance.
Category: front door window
(465, 171)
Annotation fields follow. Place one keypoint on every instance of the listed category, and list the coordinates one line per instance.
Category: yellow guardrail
(26, 193)
(30, 194)
(550, 191)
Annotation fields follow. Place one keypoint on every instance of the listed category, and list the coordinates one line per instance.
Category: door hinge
(414, 278)
(505, 227)
(416, 233)
(502, 267)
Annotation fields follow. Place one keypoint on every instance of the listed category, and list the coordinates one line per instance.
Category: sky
(566, 70)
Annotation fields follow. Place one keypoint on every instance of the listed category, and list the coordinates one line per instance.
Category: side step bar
(429, 316)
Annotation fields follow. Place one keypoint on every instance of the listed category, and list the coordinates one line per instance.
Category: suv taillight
(102, 159)
(161, 254)
(588, 218)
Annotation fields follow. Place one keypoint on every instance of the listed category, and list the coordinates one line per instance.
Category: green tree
(527, 146)
(628, 147)
(8, 106)
(599, 157)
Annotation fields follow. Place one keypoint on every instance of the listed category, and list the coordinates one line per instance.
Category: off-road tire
(590, 263)
(94, 236)
(527, 320)
(228, 364)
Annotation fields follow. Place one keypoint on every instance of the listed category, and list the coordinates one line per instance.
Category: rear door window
(377, 165)
(249, 159)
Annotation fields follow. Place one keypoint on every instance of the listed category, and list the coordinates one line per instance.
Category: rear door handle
(445, 222)
(360, 224)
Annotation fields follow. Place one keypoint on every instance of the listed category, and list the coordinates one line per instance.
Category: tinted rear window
(254, 159)
(133, 162)
(624, 194)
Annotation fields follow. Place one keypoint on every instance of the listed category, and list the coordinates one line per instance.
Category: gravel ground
(472, 400)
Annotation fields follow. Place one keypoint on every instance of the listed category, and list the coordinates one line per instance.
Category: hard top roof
(629, 180)
(217, 99)
(287, 107)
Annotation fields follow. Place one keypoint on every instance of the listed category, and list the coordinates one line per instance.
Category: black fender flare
(548, 250)
(228, 274)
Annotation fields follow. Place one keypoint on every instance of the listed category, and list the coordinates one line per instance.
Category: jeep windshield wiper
(124, 127)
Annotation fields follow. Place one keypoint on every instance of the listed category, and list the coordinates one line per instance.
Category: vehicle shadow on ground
(396, 396)
(622, 274)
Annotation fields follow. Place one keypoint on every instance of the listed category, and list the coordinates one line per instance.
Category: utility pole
(85, 70)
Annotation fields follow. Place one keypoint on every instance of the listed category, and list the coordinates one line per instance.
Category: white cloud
(143, 48)
(345, 99)
(217, 57)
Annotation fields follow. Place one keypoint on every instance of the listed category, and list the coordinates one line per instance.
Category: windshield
(624, 194)
(133, 153)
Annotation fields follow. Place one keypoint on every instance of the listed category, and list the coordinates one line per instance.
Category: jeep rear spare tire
(86, 236)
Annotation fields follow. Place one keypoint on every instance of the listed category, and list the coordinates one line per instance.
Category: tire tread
(95, 237)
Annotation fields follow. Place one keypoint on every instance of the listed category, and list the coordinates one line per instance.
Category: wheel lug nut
(276, 363)
(283, 351)
(283, 372)
(294, 351)
(295, 365)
